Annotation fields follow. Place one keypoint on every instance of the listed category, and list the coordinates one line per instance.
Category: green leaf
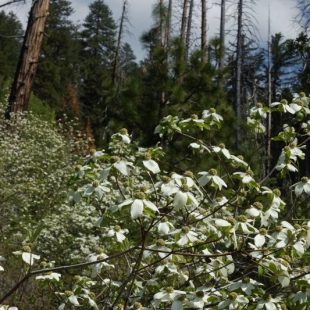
(33, 235)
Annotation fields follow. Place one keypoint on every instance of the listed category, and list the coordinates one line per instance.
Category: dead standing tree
(222, 33)
(189, 29)
(115, 75)
(204, 30)
(28, 60)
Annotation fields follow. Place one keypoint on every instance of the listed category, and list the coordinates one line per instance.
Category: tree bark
(222, 34)
(119, 43)
(204, 30)
(238, 69)
(184, 21)
(28, 61)
(268, 136)
(168, 26)
(189, 28)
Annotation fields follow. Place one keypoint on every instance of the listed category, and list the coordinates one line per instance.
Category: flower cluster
(144, 237)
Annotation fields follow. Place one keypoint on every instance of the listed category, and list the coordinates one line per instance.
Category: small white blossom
(258, 111)
(211, 117)
(96, 268)
(283, 106)
(137, 205)
(302, 186)
(211, 177)
(123, 135)
(302, 296)
(118, 233)
(185, 236)
(164, 226)
(158, 246)
(221, 149)
(198, 299)
(166, 266)
(234, 301)
(267, 302)
(256, 125)
(169, 295)
(245, 177)
(246, 285)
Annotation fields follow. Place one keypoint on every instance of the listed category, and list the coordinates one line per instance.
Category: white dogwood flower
(234, 301)
(168, 295)
(137, 205)
(118, 233)
(302, 186)
(212, 177)
(185, 236)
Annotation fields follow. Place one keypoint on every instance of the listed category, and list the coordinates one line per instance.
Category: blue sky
(281, 11)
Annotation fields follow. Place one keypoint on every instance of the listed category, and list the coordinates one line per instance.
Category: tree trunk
(184, 21)
(238, 73)
(161, 23)
(119, 43)
(28, 61)
(183, 34)
(222, 34)
(204, 30)
(189, 28)
(268, 133)
(168, 26)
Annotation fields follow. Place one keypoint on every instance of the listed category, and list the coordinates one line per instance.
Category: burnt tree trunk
(28, 60)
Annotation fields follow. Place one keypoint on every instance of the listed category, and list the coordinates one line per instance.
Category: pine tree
(11, 32)
(58, 64)
(98, 53)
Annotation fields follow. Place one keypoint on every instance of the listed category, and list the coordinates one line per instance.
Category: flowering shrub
(212, 239)
(36, 161)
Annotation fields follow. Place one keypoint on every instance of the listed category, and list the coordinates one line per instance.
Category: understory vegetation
(123, 229)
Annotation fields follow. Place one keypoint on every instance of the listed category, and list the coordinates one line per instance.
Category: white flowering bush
(36, 161)
(149, 237)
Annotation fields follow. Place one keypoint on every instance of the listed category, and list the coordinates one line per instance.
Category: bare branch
(11, 2)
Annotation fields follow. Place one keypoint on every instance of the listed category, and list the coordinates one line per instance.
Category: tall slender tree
(189, 29)
(184, 25)
(168, 25)
(119, 43)
(98, 53)
(204, 30)
(222, 32)
(238, 68)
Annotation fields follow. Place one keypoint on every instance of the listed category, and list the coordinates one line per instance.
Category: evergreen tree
(283, 65)
(11, 32)
(299, 48)
(58, 64)
(98, 52)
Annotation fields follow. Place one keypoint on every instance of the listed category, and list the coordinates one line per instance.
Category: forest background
(90, 64)
(88, 85)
